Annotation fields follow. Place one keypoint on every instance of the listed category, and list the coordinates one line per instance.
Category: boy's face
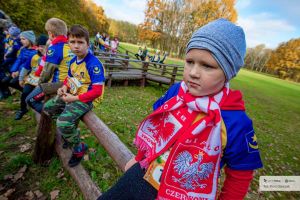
(25, 42)
(202, 73)
(79, 46)
(50, 35)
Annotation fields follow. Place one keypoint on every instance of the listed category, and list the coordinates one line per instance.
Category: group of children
(143, 55)
(65, 69)
(197, 128)
(104, 44)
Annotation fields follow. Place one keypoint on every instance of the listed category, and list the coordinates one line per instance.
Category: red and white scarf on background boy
(192, 168)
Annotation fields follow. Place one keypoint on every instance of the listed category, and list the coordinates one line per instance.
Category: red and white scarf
(192, 168)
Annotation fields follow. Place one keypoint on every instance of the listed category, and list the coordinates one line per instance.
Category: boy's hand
(68, 98)
(129, 164)
(62, 90)
(15, 74)
(22, 83)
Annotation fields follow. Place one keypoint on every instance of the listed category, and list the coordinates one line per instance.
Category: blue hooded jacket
(25, 55)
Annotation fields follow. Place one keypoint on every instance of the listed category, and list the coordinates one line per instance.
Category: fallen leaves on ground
(19, 174)
(3, 197)
(27, 118)
(38, 194)
(9, 192)
(106, 175)
(29, 195)
(86, 157)
(24, 147)
(54, 194)
(1, 187)
(60, 174)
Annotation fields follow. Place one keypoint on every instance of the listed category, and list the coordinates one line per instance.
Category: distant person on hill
(139, 53)
(114, 44)
(144, 54)
(165, 54)
(82, 89)
(156, 57)
(102, 44)
(197, 127)
(56, 65)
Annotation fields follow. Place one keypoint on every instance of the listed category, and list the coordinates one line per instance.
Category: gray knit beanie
(14, 31)
(225, 41)
(29, 35)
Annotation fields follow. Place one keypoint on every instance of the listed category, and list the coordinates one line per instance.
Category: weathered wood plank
(108, 139)
(88, 188)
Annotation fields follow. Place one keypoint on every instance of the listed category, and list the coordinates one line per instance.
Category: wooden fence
(48, 139)
(120, 67)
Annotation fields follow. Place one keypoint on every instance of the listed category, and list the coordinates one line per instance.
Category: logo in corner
(50, 52)
(251, 140)
(96, 70)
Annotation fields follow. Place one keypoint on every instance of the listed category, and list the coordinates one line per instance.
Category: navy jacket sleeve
(241, 151)
(16, 66)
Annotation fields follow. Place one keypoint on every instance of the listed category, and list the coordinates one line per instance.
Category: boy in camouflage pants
(82, 89)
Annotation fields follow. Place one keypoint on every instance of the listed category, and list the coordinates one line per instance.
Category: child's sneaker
(77, 155)
(20, 114)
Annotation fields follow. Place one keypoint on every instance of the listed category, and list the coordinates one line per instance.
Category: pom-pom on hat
(225, 40)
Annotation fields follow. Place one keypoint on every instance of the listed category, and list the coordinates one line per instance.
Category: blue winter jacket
(25, 54)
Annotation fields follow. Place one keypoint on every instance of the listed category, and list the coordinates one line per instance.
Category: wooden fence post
(109, 73)
(126, 61)
(174, 73)
(163, 71)
(144, 73)
(44, 145)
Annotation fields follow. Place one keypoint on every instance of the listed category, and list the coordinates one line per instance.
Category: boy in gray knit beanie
(29, 35)
(215, 130)
(225, 41)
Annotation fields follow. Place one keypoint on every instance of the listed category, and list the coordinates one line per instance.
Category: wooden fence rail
(107, 138)
(119, 67)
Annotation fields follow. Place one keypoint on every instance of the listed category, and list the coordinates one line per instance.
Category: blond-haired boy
(55, 70)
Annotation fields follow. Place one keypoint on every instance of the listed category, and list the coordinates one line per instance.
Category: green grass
(273, 105)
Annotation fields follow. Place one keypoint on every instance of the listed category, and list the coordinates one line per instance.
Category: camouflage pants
(67, 116)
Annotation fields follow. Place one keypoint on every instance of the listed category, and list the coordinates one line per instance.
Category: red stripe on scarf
(192, 167)
(234, 101)
(58, 39)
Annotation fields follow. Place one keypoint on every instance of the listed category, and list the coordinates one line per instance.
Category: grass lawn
(273, 104)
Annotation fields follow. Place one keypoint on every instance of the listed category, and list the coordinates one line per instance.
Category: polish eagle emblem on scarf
(191, 174)
(162, 122)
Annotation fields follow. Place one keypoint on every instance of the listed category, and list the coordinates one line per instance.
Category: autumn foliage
(168, 24)
(32, 14)
(285, 60)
